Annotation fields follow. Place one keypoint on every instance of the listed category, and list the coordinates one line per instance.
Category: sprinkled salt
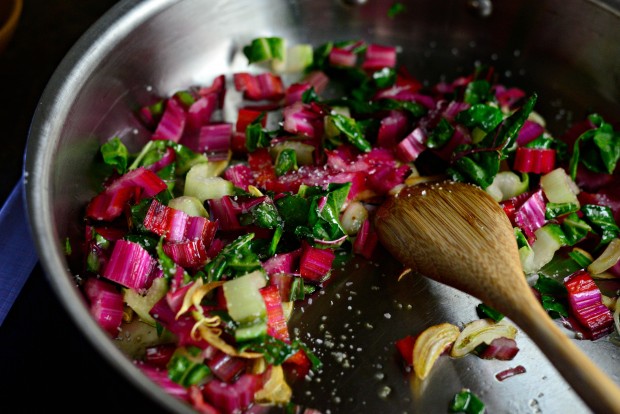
(384, 391)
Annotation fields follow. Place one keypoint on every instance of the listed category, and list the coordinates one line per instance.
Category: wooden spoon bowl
(456, 234)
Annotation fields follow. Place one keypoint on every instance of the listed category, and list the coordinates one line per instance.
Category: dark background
(45, 361)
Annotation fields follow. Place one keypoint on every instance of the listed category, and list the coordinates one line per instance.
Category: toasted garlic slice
(430, 344)
(607, 259)
(481, 331)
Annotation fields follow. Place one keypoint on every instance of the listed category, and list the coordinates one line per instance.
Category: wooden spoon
(458, 235)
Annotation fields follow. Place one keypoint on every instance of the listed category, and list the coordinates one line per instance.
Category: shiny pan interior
(566, 51)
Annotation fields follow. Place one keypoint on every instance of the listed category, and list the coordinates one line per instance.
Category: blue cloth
(18, 254)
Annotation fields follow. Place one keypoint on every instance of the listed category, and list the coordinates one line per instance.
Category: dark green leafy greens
(395, 9)
(235, 259)
(598, 149)
(602, 220)
(466, 402)
(115, 154)
(479, 163)
(553, 296)
(276, 351)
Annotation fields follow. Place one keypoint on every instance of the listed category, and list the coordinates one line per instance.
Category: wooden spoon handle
(596, 388)
(458, 235)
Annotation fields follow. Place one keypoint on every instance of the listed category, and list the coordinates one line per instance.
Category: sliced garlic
(275, 390)
(481, 331)
(430, 344)
(607, 259)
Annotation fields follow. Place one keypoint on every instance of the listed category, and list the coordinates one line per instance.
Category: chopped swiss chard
(129, 265)
(584, 298)
(597, 148)
(601, 219)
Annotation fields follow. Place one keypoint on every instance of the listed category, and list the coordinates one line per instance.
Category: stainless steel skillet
(568, 51)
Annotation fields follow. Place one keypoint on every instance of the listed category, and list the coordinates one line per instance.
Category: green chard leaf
(168, 175)
(466, 402)
(478, 168)
(354, 81)
(351, 131)
(554, 307)
(483, 116)
(384, 78)
(263, 215)
(275, 240)
(554, 210)
(320, 56)
(478, 91)
(479, 163)
(601, 218)
(575, 228)
(276, 351)
(550, 286)
(598, 149)
(560, 266)
(310, 95)
(322, 218)
(154, 150)
(414, 108)
(365, 107)
(286, 161)
(544, 141)
(115, 154)
(235, 259)
(186, 158)
(440, 135)
(328, 219)
(293, 209)
(138, 213)
(485, 311)
(299, 289)
(553, 295)
(504, 135)
(395, 9)
(255, 136)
